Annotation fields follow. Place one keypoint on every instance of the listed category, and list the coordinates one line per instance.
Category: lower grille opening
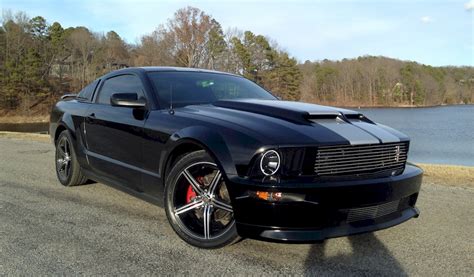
(372, 212)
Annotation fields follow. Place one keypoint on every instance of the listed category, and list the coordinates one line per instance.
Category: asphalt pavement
(95, 229)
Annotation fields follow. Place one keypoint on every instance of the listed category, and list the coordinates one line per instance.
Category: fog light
(270, 162)
(268, 196)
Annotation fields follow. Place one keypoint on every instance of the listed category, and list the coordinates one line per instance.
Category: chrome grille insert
(360, 159)
(372, 212)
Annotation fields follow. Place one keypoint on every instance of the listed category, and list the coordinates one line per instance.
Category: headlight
(270, 162)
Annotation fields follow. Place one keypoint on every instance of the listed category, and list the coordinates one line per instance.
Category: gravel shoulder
(46, 229)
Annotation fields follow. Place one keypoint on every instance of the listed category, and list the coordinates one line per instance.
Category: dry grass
(24, 119)
(451, 175)
(25, 136)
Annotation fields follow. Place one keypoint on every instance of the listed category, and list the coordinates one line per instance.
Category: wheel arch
(64, 124)
(184, 147)
(194, 139)
(58, 131)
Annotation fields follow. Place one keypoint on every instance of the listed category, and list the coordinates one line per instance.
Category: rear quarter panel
(69, 115)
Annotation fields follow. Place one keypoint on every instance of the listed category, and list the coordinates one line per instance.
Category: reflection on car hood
(286, 122)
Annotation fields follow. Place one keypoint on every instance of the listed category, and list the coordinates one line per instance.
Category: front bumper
(321, 210)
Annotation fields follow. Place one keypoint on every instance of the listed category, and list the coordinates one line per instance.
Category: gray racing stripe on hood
(383, 135)
(353, 134)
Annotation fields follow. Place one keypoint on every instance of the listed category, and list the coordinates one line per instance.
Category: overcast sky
(431, 32)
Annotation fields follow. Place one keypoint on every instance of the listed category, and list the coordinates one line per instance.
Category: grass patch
(25, 136)
(24, 119)
(452, 175)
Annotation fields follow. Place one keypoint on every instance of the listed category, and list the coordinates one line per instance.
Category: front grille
(360, 159)
(372, 212)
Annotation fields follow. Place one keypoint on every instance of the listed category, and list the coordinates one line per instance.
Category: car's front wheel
(198, 204)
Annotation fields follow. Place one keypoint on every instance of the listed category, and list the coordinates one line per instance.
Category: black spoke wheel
(63, 158)
(198, 205)
(68, 168)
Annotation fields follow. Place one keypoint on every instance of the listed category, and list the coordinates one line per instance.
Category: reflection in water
(368, 256)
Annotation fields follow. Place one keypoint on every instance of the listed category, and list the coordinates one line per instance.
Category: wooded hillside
(40, 61)
(381, 81)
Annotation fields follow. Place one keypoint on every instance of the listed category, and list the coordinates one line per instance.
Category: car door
(114, 135)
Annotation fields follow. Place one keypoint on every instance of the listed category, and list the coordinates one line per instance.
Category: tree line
(381, 81)
(40, 61)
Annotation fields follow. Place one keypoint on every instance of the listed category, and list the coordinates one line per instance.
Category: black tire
(68, 169)
(186, 199)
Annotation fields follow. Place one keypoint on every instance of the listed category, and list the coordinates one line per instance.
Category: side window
(87, 92)
(120, 84)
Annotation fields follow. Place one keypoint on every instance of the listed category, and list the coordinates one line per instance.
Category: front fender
(209, 139)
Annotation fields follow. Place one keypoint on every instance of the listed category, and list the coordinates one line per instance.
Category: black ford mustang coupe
(231, 160)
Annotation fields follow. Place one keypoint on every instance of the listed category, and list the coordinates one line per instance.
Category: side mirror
(127, 100)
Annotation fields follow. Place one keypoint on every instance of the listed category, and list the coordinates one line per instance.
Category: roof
(182, 69)
(163, 69)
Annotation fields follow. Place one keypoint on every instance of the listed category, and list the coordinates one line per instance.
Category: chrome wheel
(201, 202)
(63, 158)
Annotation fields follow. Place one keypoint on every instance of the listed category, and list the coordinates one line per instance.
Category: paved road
(46, 229)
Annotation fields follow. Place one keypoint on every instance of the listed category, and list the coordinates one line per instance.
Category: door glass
(86, 93)
(120, 84)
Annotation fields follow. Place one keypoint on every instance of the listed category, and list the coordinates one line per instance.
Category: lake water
(442, 135)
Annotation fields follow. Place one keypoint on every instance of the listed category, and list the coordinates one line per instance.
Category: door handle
(90, 117)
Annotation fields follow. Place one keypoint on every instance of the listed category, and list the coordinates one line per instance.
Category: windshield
(191, 88)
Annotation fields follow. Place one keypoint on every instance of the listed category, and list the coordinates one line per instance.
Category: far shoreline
(404, 106)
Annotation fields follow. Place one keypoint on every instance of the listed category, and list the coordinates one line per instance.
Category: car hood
(287, 122)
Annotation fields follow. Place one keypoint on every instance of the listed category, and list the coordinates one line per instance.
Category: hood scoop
(358, 117)
(323, 115)
(296, 112)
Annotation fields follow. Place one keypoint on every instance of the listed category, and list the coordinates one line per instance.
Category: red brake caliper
(190, 193)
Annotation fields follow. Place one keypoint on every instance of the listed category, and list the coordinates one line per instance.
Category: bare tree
(190, 30)
(83, 45)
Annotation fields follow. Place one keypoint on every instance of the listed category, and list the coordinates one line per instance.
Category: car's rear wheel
(198, 204)
(68, 168)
